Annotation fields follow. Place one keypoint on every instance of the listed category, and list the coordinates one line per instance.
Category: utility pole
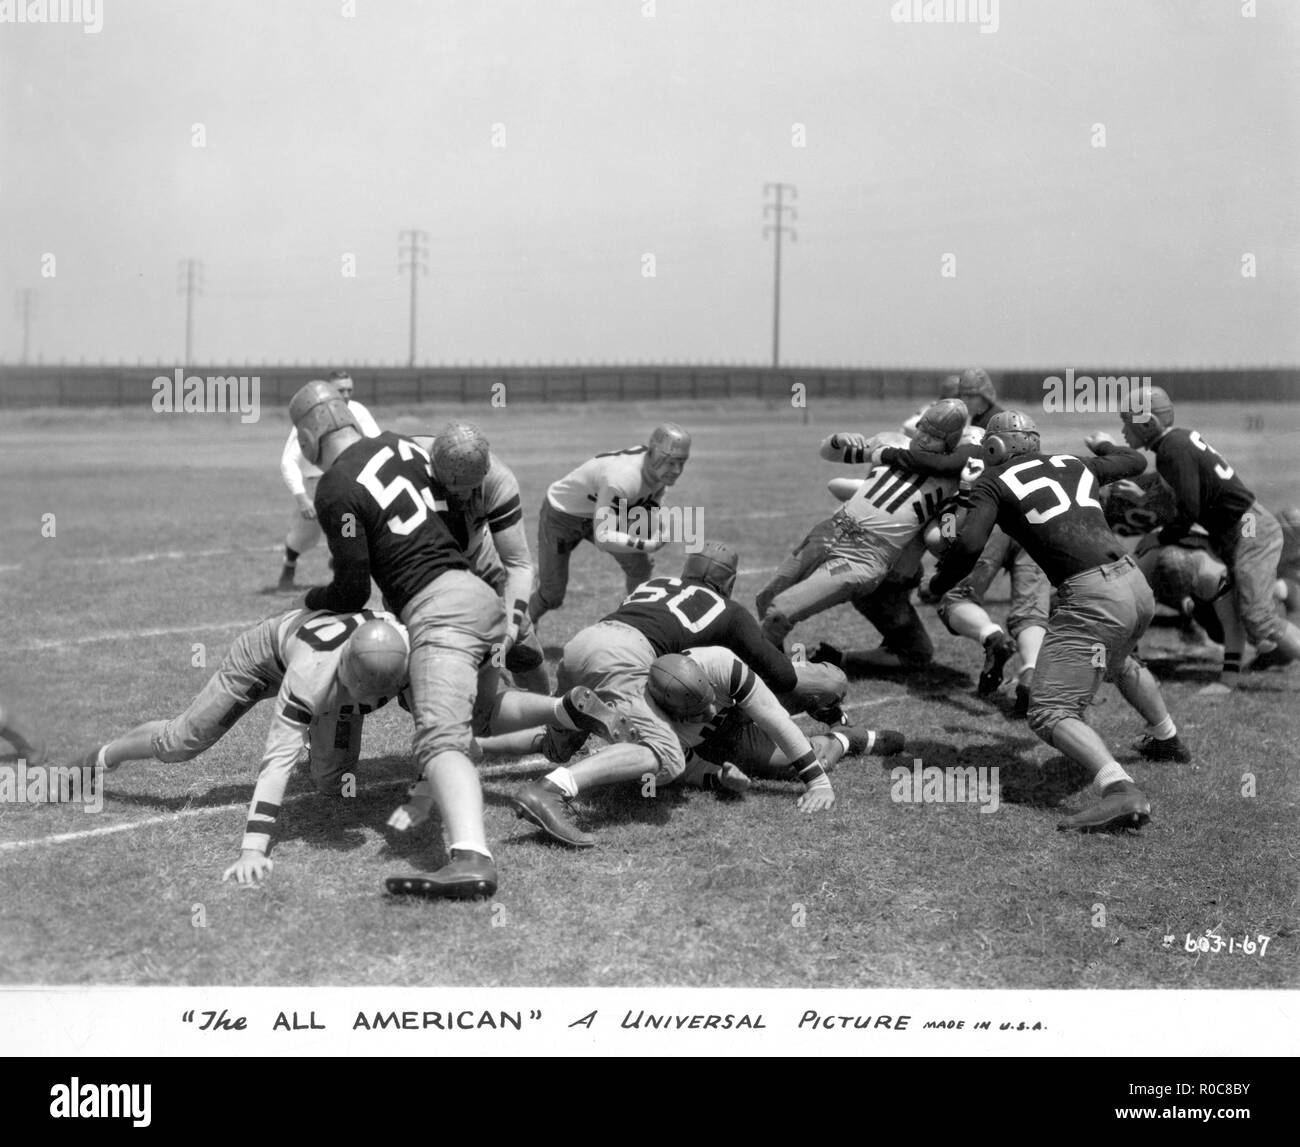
(192, 269)
(778, 228)
(25, 298)
(414, 252)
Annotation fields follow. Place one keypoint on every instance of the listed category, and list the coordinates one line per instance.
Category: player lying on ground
(483, 488)
(873, 527)
(718, 709)
(301, 477)
(669, 615)
(602, 502)
(1208, 492)
(1047, 505)
(382, 516)
(325, 671)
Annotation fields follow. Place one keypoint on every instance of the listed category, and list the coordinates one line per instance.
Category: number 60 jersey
(676, 615)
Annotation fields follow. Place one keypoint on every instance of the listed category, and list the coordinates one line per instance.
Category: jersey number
(1022, 490)
(694, 606)
(1223, 470)
(326, 633)
(421, 501)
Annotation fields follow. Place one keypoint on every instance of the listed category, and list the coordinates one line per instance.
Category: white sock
(843, 740)
(1164, 730)
(481, 849)
(1109, 774)
(988, 631)
(563, 780)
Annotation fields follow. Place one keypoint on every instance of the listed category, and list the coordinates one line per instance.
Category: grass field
(165, 532)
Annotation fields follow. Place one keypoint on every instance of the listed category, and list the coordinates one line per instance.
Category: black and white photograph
(657, 527)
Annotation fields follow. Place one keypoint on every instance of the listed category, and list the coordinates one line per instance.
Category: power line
(778, 229)
(414, 253)
(24, 300)
(193, 272)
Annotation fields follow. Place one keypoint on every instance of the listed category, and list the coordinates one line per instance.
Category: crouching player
(325, 671)
(734, 728)
(691, 696)
(1046, 504)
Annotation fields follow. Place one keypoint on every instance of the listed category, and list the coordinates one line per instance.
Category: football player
(976, 390)
(874, 526)
(478, 484)
(1046, 504)
(706, 696)
(378, 508)
(591, 502)
(301, 476)
(1208, 492)
(325, 671)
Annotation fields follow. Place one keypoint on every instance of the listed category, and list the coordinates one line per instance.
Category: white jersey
(736, 685)
(889, 510)
(297, 471)
(308, 646)
(618, 473)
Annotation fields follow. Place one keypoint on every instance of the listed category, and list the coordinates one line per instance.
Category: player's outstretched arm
(845, 446)
(762, 707)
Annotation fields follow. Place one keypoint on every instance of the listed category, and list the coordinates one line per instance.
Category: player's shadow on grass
(1021, 780)
(927, 681)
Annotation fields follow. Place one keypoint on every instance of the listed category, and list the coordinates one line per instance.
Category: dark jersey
(983, 420)
(1206, 489)
(1047, 503)
(383, 519)
(676, 615)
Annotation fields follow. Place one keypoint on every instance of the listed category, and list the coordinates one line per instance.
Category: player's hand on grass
(1096, 438)
(251, 868)
(819, 797)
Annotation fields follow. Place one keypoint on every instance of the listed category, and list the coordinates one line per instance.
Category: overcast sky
(629, 134)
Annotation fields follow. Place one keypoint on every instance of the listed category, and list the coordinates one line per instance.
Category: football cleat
(592, 715)
(1171, 749)
(543, 803)
(1270, 659)
(559, 744)
(1122, 805)
(468, 876)
(998, 650)
(725, 778)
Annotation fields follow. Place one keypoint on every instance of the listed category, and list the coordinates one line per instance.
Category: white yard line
(131, 634)
(491, 772)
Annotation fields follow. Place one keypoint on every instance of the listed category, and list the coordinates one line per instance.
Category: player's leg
(1254, 573)
(962, 610)
(577, 710)
(452, 624)
(819, 691)
(1071, 664)
(558, 536)
(656, 756)
(904, 641)
(832, 583)
(303, 534)
(637, 568)
(799, 563)
(1031, 595)
(249, 673)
